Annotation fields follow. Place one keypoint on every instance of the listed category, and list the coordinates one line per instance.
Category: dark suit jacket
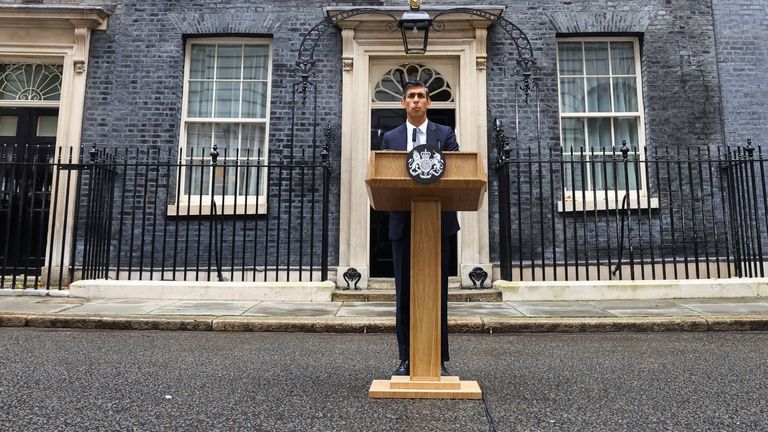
(397, 139)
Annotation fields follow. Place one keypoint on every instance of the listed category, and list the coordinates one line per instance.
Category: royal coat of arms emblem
(426, 164)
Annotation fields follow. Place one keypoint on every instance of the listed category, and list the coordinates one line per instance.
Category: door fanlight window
(390, 86)
(30, 82)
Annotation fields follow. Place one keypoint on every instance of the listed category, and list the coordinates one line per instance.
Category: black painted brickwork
(136, 70)
(741, 29)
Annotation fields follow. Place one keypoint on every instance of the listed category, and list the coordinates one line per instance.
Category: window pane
(572, 95)
(197, 176)
(569, 58)
(229, 62)
(201, 64)
(626, 130)
(226, 137)
(627, 170)
(606, 175)
(573, 134)
(8, 125)
(200, 99)
(198, 139)
(224, 175)
(253, 139)
(625, 95)
(227, 99)
(612, 170)
(256, 62)
(623, 58)
(46, 126)
(596, 58)
(254, 100)
(599, 130)
(575, 172)
(248, 177)
(599, 94)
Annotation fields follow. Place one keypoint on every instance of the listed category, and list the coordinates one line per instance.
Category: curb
(477, 325)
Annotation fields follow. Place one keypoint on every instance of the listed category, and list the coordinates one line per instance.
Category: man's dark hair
(414, 83)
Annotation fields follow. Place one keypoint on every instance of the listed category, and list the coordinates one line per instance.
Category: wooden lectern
(390, 188)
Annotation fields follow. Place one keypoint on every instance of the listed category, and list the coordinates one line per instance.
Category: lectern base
(401, 387)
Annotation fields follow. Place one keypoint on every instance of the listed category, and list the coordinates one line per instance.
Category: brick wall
(136, 71)
(741, 31)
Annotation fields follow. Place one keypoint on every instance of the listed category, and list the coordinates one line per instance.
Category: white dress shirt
(422, 134)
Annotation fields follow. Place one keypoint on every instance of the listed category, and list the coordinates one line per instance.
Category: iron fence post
(324, 154)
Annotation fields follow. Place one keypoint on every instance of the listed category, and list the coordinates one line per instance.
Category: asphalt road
(123, 380)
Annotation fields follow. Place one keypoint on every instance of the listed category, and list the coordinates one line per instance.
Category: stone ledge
(582, 325)
(120, 322)
(173, 290)
(13, 320)
(738, 323)
(632, 290)
(387, 325)
(305, 324)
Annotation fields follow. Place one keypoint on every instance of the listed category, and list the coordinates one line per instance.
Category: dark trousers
(401, 254)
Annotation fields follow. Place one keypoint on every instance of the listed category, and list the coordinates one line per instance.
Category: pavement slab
(481, 309)
(726, 308)
(640, 308)
(367, 309)
(293, 309)
(206, 307)
(36, 304)
(120, 306)
(559, 309)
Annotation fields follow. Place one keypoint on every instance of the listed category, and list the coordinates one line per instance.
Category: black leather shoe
(404, 369)
(443, 370)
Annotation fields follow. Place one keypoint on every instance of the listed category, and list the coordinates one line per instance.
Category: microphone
(415, 136)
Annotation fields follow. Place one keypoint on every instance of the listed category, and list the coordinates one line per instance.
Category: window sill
(227, 209)
(570, 205)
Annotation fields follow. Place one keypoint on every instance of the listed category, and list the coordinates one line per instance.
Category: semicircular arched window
(30, 82)
(390, 86)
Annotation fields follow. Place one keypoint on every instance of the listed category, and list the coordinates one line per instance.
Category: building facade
(294, 95)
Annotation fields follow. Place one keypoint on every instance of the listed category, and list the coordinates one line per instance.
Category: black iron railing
(663, 213)
(149, 214)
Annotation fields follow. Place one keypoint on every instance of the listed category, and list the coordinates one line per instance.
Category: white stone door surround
(366, 41)
(54, 34)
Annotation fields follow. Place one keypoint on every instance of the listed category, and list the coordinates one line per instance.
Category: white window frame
(196, 204)
(606, 199)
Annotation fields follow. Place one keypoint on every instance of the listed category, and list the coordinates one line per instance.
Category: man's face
(416, 102)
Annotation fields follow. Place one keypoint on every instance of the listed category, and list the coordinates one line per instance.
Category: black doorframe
(380, 248)
(25, 180)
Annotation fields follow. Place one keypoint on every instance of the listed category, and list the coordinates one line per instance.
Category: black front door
(27, 143)
(382, 121)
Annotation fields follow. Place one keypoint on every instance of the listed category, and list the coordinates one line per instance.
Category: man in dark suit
(415, 131)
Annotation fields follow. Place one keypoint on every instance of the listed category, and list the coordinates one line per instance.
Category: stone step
(388, 295)
(454, 282)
